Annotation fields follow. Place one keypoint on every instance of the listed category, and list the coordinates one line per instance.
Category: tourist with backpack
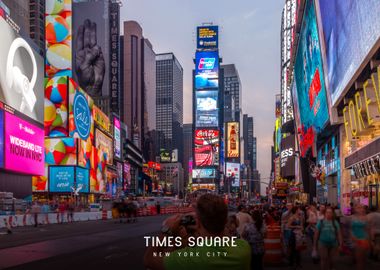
(254, 233)
(327, 239)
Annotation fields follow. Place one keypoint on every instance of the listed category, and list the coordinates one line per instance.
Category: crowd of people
(318, 231)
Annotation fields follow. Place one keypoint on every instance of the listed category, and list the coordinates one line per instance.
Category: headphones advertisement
(21, 74)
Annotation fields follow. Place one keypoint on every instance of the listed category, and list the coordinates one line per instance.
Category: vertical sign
(233, 140)
(114, 57)
(116, 133)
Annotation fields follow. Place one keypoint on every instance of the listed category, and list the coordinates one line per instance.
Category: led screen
(351, 29)
(233, 139)
(207, 109)
(82, 179)
(208, 173)
(117, 137)
(61, 178)
(104, 146)
(206, 147)
(233, 171)
(207, 37)
(206, 70)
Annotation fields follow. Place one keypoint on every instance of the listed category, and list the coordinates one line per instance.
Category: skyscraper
(169, 102)
(233, 90)
(187, 149)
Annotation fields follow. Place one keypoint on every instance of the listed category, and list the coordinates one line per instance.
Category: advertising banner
(351, 28)
(207, 37)
(82, 116)
(233, 171)
(206, 147)
(24, 146)
(1, 138)
(233, 139)
(287, 158)
(127, 176)
(114, 22)
(61, 178)
(82, 180)
(104, 146)
(21, 74)
(207, 113)
(206, 70)
(61, 151)
(165, 156)
(91, 46)
(117, 137)
(208, 173)
(309, 77)
(101, 119)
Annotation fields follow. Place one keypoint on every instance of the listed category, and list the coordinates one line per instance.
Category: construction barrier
(152, 211)
(272, 243)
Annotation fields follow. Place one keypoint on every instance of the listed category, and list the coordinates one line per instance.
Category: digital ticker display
(207, 37)
(206, 70)
(207, 109)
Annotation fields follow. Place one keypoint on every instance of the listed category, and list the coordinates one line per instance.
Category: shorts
(363, 244)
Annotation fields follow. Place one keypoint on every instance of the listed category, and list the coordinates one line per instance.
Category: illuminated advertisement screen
(104, 146)
(61, 178)
(21, 74)
(208, 173)
(206, 147)
(233, 141)
(207, 37)
(61, 151)
(310, 90)
(206, 70)
(82, 179)
(117, 138)
(207, 109)
(24, 146)
(233, 171)
(351, 29)
(1, 138)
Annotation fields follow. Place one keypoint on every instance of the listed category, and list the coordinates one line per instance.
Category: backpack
(334, 226)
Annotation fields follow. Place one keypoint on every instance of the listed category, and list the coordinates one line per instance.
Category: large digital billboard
(21, 74)
(206, 70)
(61, 178)
(207, 173)
(91, 45)
(287, 157)
(61, 151)
(351, 28)
(233, 171)
(233, 140)
(309, 76)
(104, 146)
(82, 180)
(206, 147)
(207, 37)
(207, 113)
(24, 146)
(116, 132)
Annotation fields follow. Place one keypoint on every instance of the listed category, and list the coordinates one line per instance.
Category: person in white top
(243, 218)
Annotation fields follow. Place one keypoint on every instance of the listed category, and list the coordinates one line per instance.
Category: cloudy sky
(249, 38)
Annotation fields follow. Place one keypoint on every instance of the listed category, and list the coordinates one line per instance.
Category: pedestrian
(311, 221)
(62, 211)
(232, 225)
(327, 238)
(254, 234)
(35, 212)
(360, 235)
(70, 210)
(374, 222)
(158, 207)
(296, 225)
(285, 231)
(321, 212)
(45, 211)
(8, 226)
(243, 217)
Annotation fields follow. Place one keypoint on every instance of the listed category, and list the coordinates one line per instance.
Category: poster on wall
(206, 70)
(104, 146)
(21, 74)
(207, 113)
(117, 137)
(233, 139)
(309, 77)
(90, 46)
(206, 147)
(207, 37)
(233, 171)
(24, 145)
(351, 29)
(61, 178)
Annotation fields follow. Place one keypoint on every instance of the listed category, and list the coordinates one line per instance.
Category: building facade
(187, 151)
(233, 90)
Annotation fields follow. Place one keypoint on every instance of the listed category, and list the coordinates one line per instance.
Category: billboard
(82, 180)
(309, 76)
(208, 173)
(117, 137)
(206, 147)
(104, 147)
(24, 146)
(233, 139)
(206, 70)
(61, 178)
(287, 157)
(233, 171)
(165, 155)
(1, 138)
(21, 74)
(206, 111)
(351, 28)
(207, 37)
(61, 151)
(91, 46)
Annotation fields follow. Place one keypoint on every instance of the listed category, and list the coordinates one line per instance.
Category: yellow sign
(233, 143)
(101, 119)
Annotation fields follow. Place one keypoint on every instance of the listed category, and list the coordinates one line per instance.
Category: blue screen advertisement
(207, 109)
(82, 180)
(207, 37)
(206, 70)
(309, 76)
(61, 178)
(1, 138)
(351, 29)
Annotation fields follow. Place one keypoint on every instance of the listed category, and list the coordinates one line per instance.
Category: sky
(249, 37)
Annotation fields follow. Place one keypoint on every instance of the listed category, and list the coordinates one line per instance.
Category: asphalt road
(98, 245)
